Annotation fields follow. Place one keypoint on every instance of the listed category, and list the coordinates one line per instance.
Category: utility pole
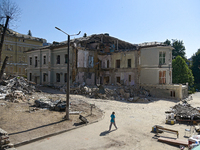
(68, 73)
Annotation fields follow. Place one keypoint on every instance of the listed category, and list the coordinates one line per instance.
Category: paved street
(134, 121)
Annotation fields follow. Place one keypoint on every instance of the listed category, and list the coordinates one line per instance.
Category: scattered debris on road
(4, 140)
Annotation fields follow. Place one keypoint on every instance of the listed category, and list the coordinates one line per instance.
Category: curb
(56, 133)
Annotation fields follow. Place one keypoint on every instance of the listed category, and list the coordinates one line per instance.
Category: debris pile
(15, 89)
(185, 112)
(4, 140)
(128, 93)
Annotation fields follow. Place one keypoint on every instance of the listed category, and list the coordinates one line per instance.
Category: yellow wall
(14, 48)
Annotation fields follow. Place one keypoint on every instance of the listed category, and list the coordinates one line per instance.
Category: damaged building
(103, 59)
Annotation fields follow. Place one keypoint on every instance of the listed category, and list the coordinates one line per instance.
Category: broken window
(129, 77)
(129, 63)
(161, 58)
(65, 77)
(57, 77)
(58, 59)
(107, 63)
(90, 62)
(118, 79)
(30, 76)
(30, 60)
(162, 77)
(36, 61)
(118, 63)
(44, 59)
(66, 58)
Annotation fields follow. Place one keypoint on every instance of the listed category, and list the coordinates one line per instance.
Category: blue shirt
(112, 118)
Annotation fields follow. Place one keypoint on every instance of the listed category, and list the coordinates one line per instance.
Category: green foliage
(179, 48)
(181, 72)
(196, 66)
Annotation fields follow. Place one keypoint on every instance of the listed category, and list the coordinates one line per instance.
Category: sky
(134, 21)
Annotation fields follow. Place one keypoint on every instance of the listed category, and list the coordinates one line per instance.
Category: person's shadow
(106, 132)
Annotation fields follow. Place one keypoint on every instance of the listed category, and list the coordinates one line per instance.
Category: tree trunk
(2, 37)
(3, 67)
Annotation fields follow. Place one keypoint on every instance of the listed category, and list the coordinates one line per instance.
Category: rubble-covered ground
(23, 121)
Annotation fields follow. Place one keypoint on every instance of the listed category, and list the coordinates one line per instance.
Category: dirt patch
(23, 124)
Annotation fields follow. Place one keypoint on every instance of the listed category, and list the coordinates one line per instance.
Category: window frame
(162, 57)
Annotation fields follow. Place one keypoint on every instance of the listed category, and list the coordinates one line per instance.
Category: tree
(8, 11)
(29, 32)
(181, 72)
(196, 66)
(179, 48)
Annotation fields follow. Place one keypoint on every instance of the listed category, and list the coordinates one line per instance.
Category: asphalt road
(134, 121)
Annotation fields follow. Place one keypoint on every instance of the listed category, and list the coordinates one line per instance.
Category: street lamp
(68, 80)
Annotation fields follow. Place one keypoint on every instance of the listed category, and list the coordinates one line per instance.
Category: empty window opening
(118, 79)
(57, 77)
(44, 59)
(30, 60)
(129, 63)
(66, 58)
(58, 59)
(107, 63)
(36, 61)
(118, 63)
(65, 77)
(30, 76)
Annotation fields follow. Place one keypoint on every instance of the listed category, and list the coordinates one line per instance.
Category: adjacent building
(103, 59)
(14, 46)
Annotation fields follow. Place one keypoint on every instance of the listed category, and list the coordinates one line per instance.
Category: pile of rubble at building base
(128, 93)
(4, 141)
(185, 113)
(15, 89)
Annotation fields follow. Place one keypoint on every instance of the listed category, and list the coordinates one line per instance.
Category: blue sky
(134, 21)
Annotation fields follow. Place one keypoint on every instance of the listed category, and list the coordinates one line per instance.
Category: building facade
(14, 46)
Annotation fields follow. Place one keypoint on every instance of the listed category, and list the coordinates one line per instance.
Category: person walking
(112, 121)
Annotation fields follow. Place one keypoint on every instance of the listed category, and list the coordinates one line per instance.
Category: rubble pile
(15, 89)
(128, 93)
(185, 111)
(4, 141)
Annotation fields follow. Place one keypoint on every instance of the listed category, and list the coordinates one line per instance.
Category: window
(36, 61)
(129, 77)
(24, 49)
(19, 70)
(161, 58)
(20, 49)
(30, 60)
(107, 63)
(90, 62)
(65, 77)
(57, 77)
(20, 59)
(162, 77)
(66, 58)
(118, 63)
(172, 93)
(30, 76)
(118, 79)
(58, 59)
(44, 59)
(6, 47)
(11, 47)
(44, 77)
(129, 63)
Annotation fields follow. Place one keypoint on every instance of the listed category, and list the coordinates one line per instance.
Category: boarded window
(129, 63)
(58, 59)
(118, 63)
(44, 59)
(129, 77)
(57, 77)
(118, 79)
(161, 58)
(30, 60)
(36, 64)
(107, 63)
(162, 77)
(66, 58)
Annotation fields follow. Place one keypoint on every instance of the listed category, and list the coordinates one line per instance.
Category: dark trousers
(111, 125)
